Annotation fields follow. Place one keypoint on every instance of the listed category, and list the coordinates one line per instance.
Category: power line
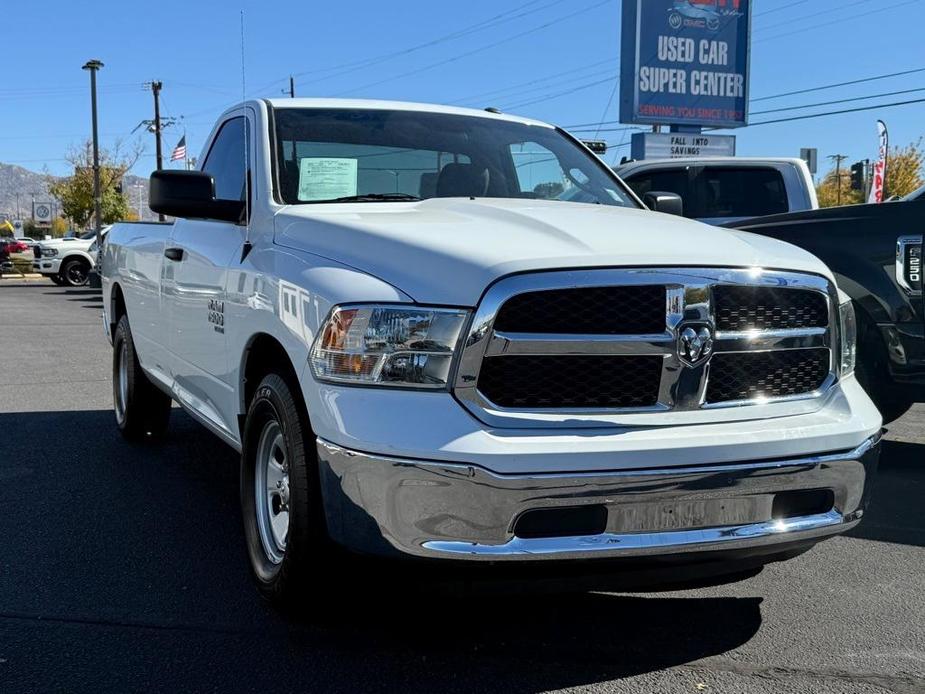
(496, 21)
(839, 101)
(556, 95)
(839, 84)
(778, 9)
(557, 83)
(814, 14)
(836, 21)
(494, 92)
(490, 23)
(835, 113)
(808, 90)
(481, 49)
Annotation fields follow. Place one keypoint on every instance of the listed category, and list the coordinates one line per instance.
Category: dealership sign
(685, 62)
(680, 145)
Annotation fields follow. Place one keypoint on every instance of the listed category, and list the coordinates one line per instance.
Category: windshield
(327, 155)
(916, 194)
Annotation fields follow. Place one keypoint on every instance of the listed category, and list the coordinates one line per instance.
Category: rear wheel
(280, 500)
(76, 272)
(142, 410)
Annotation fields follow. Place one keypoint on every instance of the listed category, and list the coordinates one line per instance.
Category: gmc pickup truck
(425, 343)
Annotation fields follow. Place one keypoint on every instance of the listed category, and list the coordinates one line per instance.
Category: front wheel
(57, 279)
(76, 272)
(142, 411)
(876, 381)
(280, 500)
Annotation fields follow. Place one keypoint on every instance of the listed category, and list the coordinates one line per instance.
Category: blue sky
(548, 59)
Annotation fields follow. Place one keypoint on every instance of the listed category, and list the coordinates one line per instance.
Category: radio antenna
(247, 171)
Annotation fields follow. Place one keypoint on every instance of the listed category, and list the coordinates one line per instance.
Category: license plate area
(688, 514)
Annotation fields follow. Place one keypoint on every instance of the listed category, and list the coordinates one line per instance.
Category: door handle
(174, 254)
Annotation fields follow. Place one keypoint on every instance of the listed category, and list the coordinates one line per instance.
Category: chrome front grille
(692, 340)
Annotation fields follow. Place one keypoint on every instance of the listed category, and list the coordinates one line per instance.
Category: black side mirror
(190, 194)
(669, 203)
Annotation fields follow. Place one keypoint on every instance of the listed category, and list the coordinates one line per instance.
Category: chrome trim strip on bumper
(383, 505)
(642, 543)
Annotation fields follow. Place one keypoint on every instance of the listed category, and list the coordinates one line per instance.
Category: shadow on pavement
(897, 508)
(130, 573)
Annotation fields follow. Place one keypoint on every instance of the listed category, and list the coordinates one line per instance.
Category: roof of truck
(367, 104)
(713, 161)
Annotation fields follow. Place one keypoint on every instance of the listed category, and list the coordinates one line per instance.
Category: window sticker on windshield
(326, 178)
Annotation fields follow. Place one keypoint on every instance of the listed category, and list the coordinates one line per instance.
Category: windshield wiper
(377, 197)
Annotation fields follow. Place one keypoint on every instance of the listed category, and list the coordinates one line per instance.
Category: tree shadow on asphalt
(141, 563)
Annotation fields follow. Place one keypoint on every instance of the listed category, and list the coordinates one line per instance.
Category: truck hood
(449, 250)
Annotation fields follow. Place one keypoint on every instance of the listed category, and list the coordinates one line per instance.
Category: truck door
(198, 254)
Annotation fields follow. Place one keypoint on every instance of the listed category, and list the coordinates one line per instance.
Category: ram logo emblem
(695, 344)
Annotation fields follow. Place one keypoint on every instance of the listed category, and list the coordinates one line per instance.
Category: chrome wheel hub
(271, 492)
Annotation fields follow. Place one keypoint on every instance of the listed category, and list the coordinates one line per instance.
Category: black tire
(874, 379)
(75, 272)
(57, 279)
(287, 574)
(142, 410)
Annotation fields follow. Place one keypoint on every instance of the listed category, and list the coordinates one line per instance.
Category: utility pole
(838, 159)
(156, 90)
(291, 87)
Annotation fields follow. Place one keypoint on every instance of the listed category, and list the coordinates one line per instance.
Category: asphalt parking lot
(123, 569)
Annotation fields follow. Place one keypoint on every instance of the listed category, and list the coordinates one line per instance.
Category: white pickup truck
(456, 335)
(721, 190)
(67, 261)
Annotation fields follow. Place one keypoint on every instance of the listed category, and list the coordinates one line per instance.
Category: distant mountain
(19, 186)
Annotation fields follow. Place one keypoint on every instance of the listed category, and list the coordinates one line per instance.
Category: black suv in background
(875, 252)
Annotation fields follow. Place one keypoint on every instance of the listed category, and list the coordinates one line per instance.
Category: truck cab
(721, 190)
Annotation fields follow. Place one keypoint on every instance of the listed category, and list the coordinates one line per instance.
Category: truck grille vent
(567, 381)
(647, 340)
(768, 308)
(586, 311)
(744, 376)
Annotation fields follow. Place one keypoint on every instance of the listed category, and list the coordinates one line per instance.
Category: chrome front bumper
(387, 506)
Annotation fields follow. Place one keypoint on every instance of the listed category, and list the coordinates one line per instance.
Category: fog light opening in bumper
(803, 502)
(574, 521)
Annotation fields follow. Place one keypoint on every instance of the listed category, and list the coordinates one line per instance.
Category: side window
(663, 180)
(225, 160)
(742, 192)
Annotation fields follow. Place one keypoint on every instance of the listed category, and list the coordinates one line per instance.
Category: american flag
(179, 152)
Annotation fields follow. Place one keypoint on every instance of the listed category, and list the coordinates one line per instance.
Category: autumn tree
(827, 190)
(904, 172)
(904, 169)
(76, 192)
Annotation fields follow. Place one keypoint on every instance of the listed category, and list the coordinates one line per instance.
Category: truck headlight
(49, 252)
(404, 346)
(848, 337)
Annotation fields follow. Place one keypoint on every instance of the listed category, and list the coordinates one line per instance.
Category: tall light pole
(92, 66)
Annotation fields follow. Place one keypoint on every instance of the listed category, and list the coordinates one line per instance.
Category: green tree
(76, 192)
